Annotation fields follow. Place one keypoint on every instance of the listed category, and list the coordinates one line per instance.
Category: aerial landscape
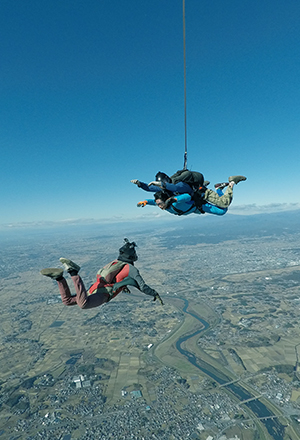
(167, 130)
(219, 360)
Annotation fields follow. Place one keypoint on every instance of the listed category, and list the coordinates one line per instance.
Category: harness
(180, 212)
(195, 180)
(198, 199)
(110, 271)
(106, 280)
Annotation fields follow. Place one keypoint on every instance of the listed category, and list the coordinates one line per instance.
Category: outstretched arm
(142, 286)
(176, 188)
(143, 203)
(179, 188)
(144, 186)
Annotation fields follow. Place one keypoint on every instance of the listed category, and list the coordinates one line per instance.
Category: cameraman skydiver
(111, 280)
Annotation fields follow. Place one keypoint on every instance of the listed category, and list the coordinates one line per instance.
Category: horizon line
(240, 210)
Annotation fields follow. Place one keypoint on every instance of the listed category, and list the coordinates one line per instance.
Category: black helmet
(127, 252)
(162, 177)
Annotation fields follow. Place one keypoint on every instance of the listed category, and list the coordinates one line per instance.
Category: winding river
(275, 429)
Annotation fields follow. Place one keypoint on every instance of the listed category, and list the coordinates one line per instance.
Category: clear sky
(92, 95)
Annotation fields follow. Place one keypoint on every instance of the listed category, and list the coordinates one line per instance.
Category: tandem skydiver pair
(186, 192)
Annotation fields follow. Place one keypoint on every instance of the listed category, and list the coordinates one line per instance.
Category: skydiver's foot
(69, 265)
(51, 272)
(221, 185)
(236, 179)
(206, 183)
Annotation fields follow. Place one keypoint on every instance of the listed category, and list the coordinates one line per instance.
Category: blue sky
(92, 95)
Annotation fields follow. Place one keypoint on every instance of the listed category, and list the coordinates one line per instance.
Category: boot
(236, 179)
(52, 272)
(70, 266)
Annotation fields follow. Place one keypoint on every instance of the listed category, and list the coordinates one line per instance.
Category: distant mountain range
(213, 229)
(190, 230)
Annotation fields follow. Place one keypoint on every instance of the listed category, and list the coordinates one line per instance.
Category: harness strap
(121, 285)
(179, 212)
(198, 198)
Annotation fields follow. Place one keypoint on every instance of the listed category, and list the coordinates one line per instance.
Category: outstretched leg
(84, 300)
(64, 290)
(213, 209)
(57, 275)
(220, 201)
(224, 200)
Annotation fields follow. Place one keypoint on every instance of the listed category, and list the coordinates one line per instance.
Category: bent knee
(84, 306)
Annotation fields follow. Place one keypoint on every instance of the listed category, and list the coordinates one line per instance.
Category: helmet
(162, 177)
(127, 252)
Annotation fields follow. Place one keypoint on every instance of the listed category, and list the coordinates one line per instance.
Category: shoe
(221, 185)
(52, 272)
(69, 265)
(236, 179)
(206, 183)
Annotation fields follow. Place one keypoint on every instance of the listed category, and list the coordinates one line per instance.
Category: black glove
(159, 298)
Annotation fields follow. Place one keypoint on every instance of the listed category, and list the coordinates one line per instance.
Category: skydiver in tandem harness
(186, 192)
(111, 280)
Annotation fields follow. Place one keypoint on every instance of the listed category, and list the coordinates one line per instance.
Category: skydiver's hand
(170, 201)
(142, 204)
(159, 298)
(136, 182)
(156, 184)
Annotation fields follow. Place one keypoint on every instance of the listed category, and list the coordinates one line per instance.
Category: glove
(159, 298)
(143, 203)
(170, 201)
(156, 184)
(136, 182)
